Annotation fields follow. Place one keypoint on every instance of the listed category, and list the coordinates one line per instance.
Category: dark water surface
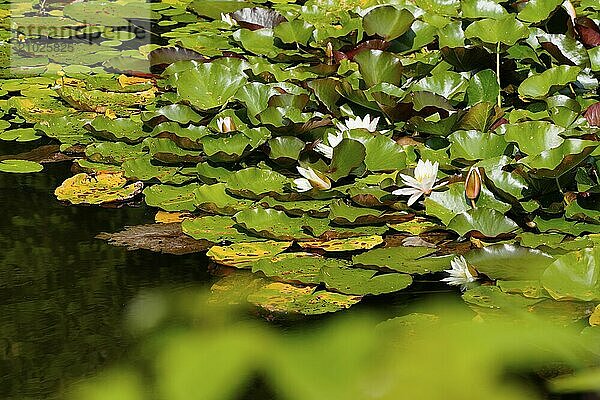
(63, 292)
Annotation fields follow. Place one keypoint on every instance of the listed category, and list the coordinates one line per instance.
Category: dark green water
(63, 292)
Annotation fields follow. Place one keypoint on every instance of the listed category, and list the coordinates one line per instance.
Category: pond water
(63, 292)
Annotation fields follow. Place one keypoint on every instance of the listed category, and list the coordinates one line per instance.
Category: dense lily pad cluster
(291, 135)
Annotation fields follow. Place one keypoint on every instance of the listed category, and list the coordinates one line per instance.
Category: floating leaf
(533, 137)
(575, 275)
(255, 183)
(214, 199)
(285, 298)
(209, 85)
(272, 224)
(215, 229)
(488, 222)
(537, 10)
(242, 255)
(350, 244)
(171, 198)
(509, 262)
(162, 238)
(20, 166)
(387, 22)
(347, 156)
(540, 85)
(474, 145)
(409, 260)
(101, 188)
(507, 30)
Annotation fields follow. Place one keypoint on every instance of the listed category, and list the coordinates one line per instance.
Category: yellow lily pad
(242, 255)
(415, 226)
(349, 244)
(100, 188)
(282, 297)
(165, 217)
(595, 317)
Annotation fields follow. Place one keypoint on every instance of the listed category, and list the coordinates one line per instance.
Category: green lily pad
(172, 198)
(347, 156)
(113, 152)
(537, 10)
(118, 129)
(209, 85)
(19, 135)
(387, 22)
(474, 145)
(335, 274)
(20, 166)
(509, 262)
(533, 137)
(452, 202)
(540, 85)
(575, 275)
(142, 169)
(285, 150)
(555, 162)
(215, 199)
(255, 183)
(507, 30)
(179, 113)
(272, 224)
(488, 222)
(215, 229)
(409, 260)
(313, 208)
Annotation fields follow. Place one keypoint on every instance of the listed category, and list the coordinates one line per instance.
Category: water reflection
(62, 292)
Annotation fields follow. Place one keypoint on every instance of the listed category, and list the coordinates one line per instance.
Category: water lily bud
(329, 53)
(568, 6)
(473, 184)
(226, 125)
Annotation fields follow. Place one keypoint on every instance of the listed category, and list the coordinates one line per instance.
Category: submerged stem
(498, 74)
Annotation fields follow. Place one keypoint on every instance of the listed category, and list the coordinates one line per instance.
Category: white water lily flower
(226, 124)
(358, 123)
(227, 19)
(423, 182)
(460, 273)
(327, 150)
(311, 179)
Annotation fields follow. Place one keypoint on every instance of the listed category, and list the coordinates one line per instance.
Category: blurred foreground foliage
(191, 349)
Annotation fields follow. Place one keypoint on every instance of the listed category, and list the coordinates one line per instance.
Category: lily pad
(209, 85)
(171, 198)
(409, 260)
(215, 229)
(487, 222)
(161, 238)
(101, 188)
(387, 22)
(575, 275)
(350, 244)
(540, 85)
(20, 166)
(509, 262)
(507, 30)
(272, 224)
(243, 255)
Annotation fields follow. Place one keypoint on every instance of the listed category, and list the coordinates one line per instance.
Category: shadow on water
(63, 292)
